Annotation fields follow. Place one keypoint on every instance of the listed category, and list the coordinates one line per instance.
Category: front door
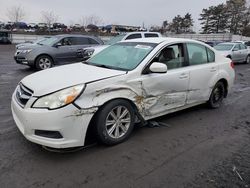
(163, 92)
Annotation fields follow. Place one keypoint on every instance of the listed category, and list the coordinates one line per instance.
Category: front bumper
(69, 121)
(23, 60)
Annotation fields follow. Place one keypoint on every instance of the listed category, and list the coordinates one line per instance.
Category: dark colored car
(56, 50)
(5, 37)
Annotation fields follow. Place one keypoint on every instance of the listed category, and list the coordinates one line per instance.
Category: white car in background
(89, 52)
(142, 78)
(236, 51)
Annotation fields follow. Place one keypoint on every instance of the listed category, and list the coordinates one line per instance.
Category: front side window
(236, 47)
(172, 56)
(197, 54)
(122, 56)
(134, 36)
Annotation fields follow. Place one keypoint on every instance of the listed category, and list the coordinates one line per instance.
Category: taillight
(232, 64)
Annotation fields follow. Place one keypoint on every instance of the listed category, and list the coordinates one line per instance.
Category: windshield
(122, 56)
(3, 34)
(116, 39)
(48, 41)
(224, 47)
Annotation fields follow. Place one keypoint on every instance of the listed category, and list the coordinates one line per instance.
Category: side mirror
(58, 44)
(157, 67)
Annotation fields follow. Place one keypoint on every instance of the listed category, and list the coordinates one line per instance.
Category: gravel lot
(200, 148)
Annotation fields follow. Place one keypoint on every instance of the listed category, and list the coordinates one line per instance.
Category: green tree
(236, 10)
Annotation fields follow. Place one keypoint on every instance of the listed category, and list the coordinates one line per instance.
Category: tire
(115, 122)
(43, 62)
(217, 95)
(248, 59)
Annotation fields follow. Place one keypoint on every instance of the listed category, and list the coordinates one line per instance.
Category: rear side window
(134, 36)
(81, 41)
(92, 41)
(148, 35)
(243, 47)
(210, 55)
(197, 54)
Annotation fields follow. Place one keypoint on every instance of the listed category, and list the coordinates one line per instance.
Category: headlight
(26, 51)
(88, 52)
(59, 98)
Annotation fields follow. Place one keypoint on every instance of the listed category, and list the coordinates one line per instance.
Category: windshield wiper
(104, 66)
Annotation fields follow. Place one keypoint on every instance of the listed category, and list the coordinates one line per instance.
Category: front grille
(23, 94)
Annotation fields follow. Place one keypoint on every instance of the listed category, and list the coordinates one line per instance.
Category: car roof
(230, 43)
(75, 35)
(158, 40)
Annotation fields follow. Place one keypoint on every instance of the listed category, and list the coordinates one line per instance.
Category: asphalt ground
(200, 147)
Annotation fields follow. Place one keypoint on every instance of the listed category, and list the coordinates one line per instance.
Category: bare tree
(92, 19)
(15, 13)
(49, 18)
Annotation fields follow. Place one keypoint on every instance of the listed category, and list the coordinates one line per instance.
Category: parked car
(238, 52)
(213, 43)
(122, 37)
(247, 43)
(5, 37)
(59, 49)
(30, 43)
(142, 78)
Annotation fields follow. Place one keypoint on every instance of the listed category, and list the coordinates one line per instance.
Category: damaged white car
(141, 78)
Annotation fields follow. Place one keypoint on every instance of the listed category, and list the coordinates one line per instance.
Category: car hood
(31, 46)
(54, 79)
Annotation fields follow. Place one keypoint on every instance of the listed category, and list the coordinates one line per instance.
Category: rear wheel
(115, 122)
(43, 62)
(217, 95)
(248, 59)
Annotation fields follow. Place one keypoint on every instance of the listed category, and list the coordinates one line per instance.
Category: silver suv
(59, 49)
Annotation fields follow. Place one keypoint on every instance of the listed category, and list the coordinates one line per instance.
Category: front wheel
(115, 122)
(43, 62)
(217, 95)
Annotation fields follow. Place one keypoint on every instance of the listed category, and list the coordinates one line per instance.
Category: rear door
(203, 72)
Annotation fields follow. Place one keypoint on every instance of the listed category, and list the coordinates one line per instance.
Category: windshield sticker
(144, 47)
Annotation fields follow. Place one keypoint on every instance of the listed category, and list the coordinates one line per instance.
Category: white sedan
(141, 78)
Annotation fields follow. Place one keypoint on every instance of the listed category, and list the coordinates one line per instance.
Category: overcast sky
(129, 12)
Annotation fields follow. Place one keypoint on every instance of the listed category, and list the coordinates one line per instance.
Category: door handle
(213, 69)
(183, 76)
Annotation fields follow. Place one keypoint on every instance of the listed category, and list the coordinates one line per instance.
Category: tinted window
(79, 40)
(134, 36)
(65, 41)
(148, 35)
(210, 55)
(197, 54)
(172, 56)
(92, 41)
